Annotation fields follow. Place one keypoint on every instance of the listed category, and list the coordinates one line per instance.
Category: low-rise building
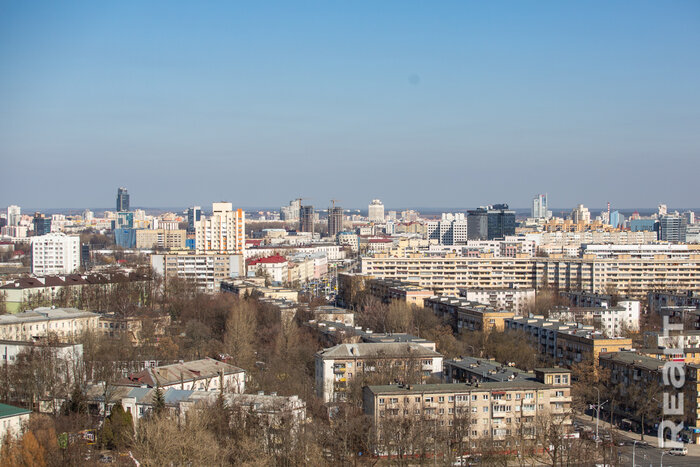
(468, 315)
(65, 324)
(256, 286)
(113, 325)
(274, 268)
(337, 366)
(198, 375)
(490, 410)
(12, 420)
(72, 288)
(515, 299)
(388, 290)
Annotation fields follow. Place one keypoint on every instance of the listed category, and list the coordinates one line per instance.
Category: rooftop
(173, 374)
(44, 313)
(12, 411)
(378, 350)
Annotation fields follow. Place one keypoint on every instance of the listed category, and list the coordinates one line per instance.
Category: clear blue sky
(417, 103)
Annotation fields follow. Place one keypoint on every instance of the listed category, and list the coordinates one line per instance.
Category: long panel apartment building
(567, 343)
(446, 274)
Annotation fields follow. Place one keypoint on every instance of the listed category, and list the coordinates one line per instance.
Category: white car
(679, 451)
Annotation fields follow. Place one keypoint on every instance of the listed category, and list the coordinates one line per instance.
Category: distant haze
(415, 103)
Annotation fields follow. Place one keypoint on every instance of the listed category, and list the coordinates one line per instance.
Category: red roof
(267, 260)
(253, 241)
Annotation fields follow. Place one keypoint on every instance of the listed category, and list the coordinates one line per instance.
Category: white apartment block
(611, 321)
(55, 253)
(450, 230)
(332, 251)
(222, 232)
(517, 300)
(205, 270)
(65, 323)
(376, 211)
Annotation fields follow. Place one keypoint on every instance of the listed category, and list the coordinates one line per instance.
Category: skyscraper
(306, 219)
(14, 214)
(539, 207)
(223, 232)
(335, 220)
(122, 200)
(501, 221)
(194, 215)
(42, 224)
(477, 224)
(376, 211)
(291, 212)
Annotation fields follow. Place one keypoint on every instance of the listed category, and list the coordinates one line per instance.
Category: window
(441, 399)
(428, 399)
(394, 400)
(485, 397)
(417, 399)
(486, 409)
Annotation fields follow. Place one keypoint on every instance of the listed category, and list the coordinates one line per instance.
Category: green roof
(11, 411)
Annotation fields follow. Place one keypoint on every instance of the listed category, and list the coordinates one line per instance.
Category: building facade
(336, 367)
(55, 253)
(222, 232)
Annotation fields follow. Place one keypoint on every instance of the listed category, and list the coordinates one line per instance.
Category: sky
(450, 103)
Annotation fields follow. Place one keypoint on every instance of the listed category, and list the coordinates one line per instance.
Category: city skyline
(427, 103)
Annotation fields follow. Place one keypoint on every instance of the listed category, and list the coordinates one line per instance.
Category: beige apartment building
(388, 290)
(489, 410)
(222, 232)
(567, 343)
(468, 315)
(67, 324)
(160, 238)
(633, 277)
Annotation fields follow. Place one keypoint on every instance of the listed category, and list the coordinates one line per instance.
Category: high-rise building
(88, 216)
(452, 229)
(222, 232)
(376, 211)
(672, 228)
(617, 219)
(42, 224)
(194, 215)
(477, 224)
(539, 207)
(501, 221)
(122, 200)
(55, 253)
(306, 219)
(14, 214)
(662, 210)
(291, 213)
(335, 220)
(580, 214)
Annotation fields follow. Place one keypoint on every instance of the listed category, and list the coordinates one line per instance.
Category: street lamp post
(662, 457)
(634, 446)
